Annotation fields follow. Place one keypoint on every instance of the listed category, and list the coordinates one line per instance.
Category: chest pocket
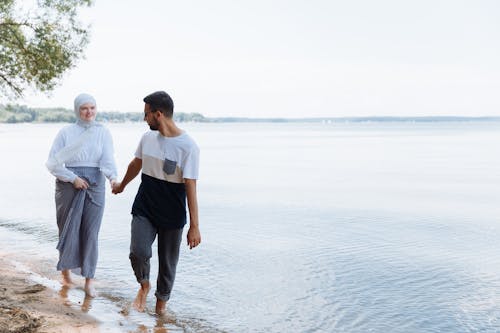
(169, 166)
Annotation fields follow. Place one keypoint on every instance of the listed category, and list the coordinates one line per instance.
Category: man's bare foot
(161, 307)
(89, 288)
(142, 295)
(66, 274)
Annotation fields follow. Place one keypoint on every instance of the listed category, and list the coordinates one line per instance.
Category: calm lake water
(367, 227)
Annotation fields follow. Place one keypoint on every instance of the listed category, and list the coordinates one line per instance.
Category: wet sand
(26, 306)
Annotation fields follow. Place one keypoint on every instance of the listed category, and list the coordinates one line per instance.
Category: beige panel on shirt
(153, 167)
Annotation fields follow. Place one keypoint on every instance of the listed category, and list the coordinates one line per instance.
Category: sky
(290, 58)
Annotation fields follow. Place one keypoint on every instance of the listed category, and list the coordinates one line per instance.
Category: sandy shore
(26, 306)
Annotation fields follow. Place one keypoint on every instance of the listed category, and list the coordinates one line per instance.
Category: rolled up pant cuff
(162, 297)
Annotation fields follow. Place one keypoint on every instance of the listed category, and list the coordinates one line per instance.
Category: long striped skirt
(79, 214)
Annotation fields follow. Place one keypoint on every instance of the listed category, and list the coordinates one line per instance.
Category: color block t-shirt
(166, 162)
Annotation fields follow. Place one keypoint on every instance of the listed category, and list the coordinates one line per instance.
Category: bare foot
(87, 303)
(66, 274)
(64, 291)
(161, 307)
(64, 294)
(140, 300)
(89, 288)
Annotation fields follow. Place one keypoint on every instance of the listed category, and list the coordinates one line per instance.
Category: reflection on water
(306, 228)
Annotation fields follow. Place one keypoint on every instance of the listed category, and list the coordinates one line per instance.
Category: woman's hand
(80, 184)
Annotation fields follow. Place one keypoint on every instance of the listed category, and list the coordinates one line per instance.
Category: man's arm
(193, 235)
(133, 170)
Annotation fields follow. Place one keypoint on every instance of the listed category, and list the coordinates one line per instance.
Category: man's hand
(193, 237)
(80, 184)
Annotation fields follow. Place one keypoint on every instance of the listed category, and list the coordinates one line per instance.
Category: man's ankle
(160, 306)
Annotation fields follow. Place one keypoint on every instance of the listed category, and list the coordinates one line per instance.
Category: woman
(80, 158)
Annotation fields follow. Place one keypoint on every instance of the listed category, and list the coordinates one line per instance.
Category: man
(169, 159)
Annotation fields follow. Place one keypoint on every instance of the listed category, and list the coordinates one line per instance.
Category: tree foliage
(14, 113)
(38, 43)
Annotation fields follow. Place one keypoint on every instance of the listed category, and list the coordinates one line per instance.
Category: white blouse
(95, 151)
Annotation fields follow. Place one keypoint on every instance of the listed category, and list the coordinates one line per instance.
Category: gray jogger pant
(169, 240)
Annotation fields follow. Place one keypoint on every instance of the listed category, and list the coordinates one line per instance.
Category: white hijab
(79, 101)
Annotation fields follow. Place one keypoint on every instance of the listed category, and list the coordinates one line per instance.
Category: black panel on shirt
(161, 202)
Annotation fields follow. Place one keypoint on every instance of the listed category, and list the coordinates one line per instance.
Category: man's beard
(154, 126)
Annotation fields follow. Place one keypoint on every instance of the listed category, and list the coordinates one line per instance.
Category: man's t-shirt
(166, 161)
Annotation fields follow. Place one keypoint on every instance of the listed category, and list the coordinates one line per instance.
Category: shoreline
(31, 302)
(27, 306)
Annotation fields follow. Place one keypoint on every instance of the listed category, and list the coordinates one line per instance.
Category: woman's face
(87, 112)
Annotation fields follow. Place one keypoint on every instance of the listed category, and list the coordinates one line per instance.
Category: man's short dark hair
(160, 100)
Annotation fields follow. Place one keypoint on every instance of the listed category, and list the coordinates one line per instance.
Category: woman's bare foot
(89, 288)
(142, 295)
(161, 307)
(66, 274)
(64, 294)
(87, 303)
(64, 291)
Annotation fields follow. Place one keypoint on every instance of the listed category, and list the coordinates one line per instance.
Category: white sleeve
(191, 163)
(59, 170)
(138, 151)
(107, 163)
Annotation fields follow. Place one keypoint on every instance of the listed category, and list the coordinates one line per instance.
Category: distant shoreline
(360, 120)
(13, 113)
(353, 119)
(22, 114)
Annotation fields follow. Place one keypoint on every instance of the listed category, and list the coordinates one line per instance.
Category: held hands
(80, 184)
(193, 237)
(116, 187)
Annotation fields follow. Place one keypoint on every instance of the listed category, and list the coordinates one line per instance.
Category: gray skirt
(79, 214)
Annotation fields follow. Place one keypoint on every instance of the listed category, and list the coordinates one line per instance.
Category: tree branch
(17, 90)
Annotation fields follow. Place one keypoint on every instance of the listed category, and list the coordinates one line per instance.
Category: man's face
(149, 117)
(87, 112)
